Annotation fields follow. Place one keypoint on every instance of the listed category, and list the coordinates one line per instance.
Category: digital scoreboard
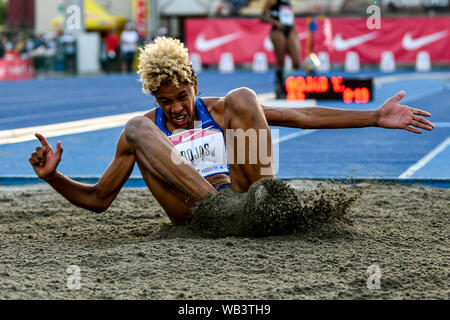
(329, 88)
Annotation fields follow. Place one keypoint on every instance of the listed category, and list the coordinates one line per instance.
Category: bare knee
(135, 126)
(241, 100)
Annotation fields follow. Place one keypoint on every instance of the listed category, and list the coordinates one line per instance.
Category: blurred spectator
(39, 41)
(20, 46)
(68, 43)
(112, 51)
(38, 53)
(30, 43)
(2, 46)
(128, 45)
(8, 46)
(103, 55)
(50, 42)
(48, 51)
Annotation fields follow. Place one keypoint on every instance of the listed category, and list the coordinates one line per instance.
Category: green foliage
(3, 12)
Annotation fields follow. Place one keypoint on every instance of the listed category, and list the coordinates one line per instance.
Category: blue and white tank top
(203, 146)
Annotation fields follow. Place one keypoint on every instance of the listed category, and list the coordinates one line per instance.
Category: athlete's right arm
(96, 197)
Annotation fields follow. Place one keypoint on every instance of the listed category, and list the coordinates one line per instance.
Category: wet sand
(320, 250)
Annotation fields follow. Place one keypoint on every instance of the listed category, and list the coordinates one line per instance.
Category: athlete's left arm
(390, 115)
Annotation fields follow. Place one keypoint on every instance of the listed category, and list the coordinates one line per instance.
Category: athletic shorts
(223, 187)
(286, 30)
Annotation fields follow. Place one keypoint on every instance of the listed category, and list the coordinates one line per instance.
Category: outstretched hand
(392, 115)
(44, 160)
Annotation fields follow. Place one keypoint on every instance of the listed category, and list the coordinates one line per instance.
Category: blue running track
(368, 153)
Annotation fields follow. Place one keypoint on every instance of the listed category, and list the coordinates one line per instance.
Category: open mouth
(180, 119)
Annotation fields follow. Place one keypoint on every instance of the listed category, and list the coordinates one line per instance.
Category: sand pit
(321, 249)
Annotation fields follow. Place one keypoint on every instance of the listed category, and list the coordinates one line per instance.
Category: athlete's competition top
(203, 146)
(282, 12)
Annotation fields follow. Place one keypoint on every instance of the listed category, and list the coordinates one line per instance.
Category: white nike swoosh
(345, 44)
(188, 138)
(410, 44)
(268, 45)
(201, 44)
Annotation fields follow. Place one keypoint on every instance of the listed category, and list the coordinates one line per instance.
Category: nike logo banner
(409, 43)
(243, 38)
(341, 44)
(202, 45)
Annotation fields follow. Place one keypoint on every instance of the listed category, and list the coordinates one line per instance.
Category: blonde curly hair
(165, 60)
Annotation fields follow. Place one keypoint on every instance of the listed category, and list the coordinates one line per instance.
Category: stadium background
(42, 19)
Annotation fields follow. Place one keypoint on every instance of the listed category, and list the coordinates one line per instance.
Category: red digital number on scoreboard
(332, 88)
(358, 95)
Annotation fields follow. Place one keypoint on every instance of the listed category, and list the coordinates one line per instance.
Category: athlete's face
(178, 104)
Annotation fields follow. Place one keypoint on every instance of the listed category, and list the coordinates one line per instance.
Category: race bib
(286, 16)
(204, 149)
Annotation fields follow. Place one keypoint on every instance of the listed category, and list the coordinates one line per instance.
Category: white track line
(422, 162)
(65, 128)
(294, 135)
(266, 96)
(411, 76)
(268, 100)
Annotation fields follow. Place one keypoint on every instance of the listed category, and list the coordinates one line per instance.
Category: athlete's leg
(243, 111)
(279, 45)
(175, 184)
(293, 48)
